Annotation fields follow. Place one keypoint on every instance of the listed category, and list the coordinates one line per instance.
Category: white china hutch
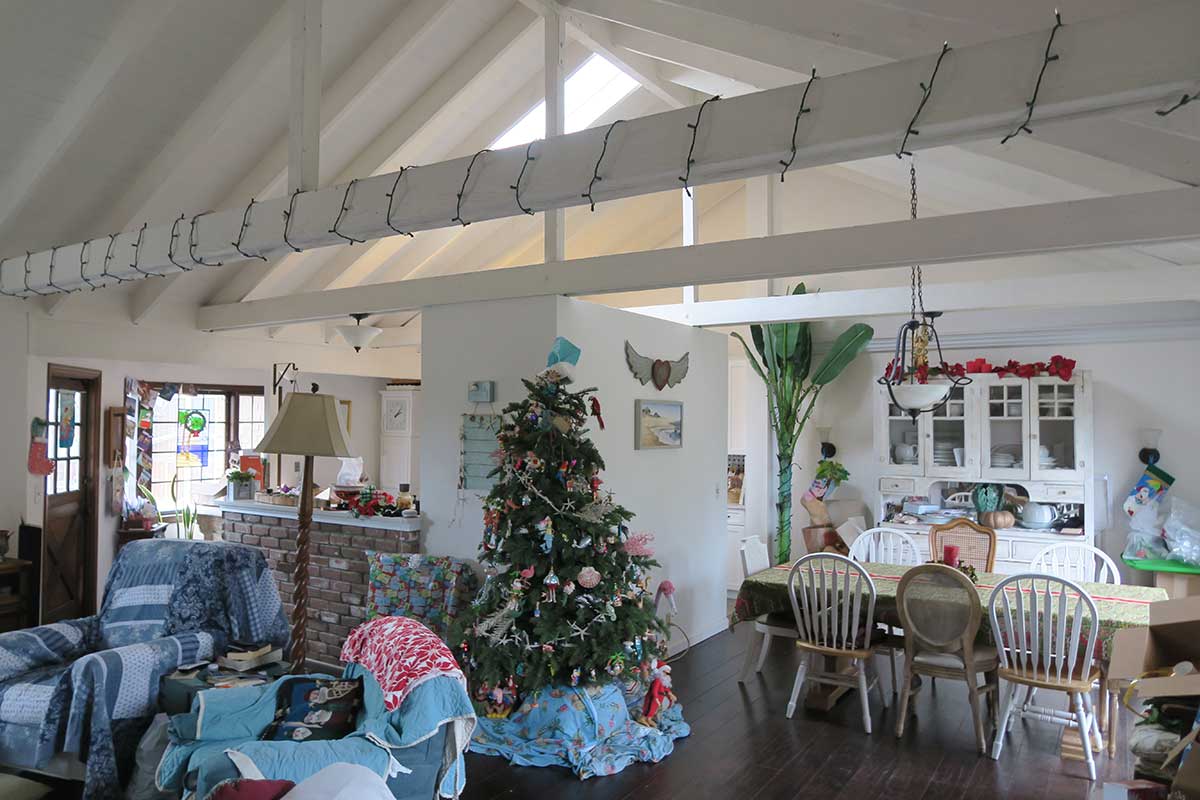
(1031, 433)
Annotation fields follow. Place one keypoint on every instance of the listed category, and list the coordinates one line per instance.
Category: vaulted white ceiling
(118, 112)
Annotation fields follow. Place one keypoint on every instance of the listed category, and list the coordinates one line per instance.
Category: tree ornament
(639, 544)
(569, 588)
(596, 411)
(575, 674)
(551, 583)
(588, 578)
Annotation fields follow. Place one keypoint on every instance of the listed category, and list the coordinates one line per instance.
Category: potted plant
(785, 365)
(239, 484)
(820, 533)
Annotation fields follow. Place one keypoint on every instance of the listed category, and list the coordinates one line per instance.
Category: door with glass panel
(1059, 428)
(951, 440)
(1005, 428)
(898, 437)
(69, 529)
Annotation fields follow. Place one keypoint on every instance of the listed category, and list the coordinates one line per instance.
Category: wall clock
(396, 414)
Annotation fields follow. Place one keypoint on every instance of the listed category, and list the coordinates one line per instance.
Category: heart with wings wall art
(660, 372)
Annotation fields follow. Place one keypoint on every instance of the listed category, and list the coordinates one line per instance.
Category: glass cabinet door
(951, 436)
(1005, 450)
(898, 438)
(1056, 452)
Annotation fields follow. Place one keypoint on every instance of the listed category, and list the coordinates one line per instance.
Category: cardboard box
(1172, 636)
(1187, 781)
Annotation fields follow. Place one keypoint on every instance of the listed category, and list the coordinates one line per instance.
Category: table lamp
(307, 425)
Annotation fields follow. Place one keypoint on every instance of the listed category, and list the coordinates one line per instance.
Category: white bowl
(920, 396)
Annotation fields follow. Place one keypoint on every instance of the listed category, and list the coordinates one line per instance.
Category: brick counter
(337, 576)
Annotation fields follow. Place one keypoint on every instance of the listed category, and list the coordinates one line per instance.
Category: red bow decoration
(978, 366)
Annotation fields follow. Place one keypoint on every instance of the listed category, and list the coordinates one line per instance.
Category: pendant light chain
(918, 297)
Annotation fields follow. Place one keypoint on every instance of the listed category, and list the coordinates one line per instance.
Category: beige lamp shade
(307, 425)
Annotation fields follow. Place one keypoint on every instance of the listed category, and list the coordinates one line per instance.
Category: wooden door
(68, 579)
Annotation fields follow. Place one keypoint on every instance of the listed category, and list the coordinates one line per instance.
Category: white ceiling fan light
(358, 335)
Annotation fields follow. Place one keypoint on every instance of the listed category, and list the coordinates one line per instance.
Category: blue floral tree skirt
(590, 730)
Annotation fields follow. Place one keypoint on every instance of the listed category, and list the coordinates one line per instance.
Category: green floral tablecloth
(1118, 606)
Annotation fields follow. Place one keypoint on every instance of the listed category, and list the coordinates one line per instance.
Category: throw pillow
(316, 709)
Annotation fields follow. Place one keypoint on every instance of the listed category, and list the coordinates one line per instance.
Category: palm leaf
(845, 349)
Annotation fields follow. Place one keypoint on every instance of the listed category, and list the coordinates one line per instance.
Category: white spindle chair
(755, 558)
(1079, 562)
(833, 600)
(887, 546)
(1045, 630)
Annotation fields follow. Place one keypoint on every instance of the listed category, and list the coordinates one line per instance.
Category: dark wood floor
(743, 747)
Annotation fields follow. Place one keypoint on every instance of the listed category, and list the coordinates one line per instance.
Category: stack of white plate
(1001, 460)
(1047, 462)
(943, 454)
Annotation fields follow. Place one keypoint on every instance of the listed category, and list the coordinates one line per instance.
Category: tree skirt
(589, 730)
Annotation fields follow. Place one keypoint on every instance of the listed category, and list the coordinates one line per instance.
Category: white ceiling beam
(304, 112)
(752, 72)
(1111, 287)
(141, 21)
(768, 45)
(1170, 215)
(556, 120)
(1105, 65)
(597, 36)
(426, 127)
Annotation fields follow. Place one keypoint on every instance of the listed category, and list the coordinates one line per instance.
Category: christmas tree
(565, 598)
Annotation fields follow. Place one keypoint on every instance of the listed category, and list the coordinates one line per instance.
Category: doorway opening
(70, 528)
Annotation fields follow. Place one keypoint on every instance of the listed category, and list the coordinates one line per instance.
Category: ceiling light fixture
(359, 335)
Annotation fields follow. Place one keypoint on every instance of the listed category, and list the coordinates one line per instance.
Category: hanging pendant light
(358, 335)
(907, 375)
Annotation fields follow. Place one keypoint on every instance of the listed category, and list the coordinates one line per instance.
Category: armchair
(90, 686)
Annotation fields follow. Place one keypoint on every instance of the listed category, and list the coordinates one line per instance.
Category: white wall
(679, 495)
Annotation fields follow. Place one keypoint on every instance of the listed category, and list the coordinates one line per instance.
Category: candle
(950, 554)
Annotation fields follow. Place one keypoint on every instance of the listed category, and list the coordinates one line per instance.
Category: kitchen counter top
(325, 517)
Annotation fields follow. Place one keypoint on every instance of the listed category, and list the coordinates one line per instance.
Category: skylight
(591, 90)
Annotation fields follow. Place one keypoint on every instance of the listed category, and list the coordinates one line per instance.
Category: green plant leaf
(750, 357)
(845, 349)
(756, 334)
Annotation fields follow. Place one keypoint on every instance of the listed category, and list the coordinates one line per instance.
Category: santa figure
(659, 696)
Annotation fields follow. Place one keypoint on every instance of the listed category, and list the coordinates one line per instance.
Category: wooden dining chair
(755, 558)
(1045, 630)
(887, 546)
(833, 600)
(1080, 562)
(976, 543)
(941, 614)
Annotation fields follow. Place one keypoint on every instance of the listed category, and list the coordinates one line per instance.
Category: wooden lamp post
(307, 425)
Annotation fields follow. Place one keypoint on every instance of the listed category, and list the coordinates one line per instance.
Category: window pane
(260, 406)
(73, 475)
(245, 406)
(60, 476)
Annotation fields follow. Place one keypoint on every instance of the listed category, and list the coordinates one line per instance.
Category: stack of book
(246, 660)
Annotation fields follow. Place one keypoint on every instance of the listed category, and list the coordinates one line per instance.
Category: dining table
(1117, 605)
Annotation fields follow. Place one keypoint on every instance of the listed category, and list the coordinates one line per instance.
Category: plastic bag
(1142, 545)
(149, 752)
(1182, 532)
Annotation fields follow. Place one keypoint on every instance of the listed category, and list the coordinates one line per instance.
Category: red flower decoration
(1061, 367)
(977, 366)
(922, 373)
(887, 371)
(1026, 370)
(954, 370)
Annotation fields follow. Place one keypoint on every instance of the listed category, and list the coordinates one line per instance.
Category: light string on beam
(1047, 57)
(391, 196)
(242, 233)
(50, 280)
(287, 220)
(458, 217)
(108, 254)
(84, 257)
(695, 126)
(192, 245)
(596, 169)
(171, 244)
(29, 290)
(926, 91)
(342, 212)
(137, 256)
(4, 291)
(804, 109)
(516, 187)
(1183, 101)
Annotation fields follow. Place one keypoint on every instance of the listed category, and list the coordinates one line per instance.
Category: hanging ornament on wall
(663, 373)
(907, 374)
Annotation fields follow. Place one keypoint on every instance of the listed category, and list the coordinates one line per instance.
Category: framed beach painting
(657, 424)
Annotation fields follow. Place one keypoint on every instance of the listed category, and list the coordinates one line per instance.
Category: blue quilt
(589, 730)
(92, 684)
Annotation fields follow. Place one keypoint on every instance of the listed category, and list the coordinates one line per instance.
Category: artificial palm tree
(785, 350)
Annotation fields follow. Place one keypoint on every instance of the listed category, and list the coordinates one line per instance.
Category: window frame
(232, 392)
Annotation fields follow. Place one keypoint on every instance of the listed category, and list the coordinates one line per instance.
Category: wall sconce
(1148, 438)
(823, 436)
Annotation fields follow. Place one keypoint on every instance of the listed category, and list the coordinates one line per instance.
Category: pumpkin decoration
(988, 497)
(997, 519)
